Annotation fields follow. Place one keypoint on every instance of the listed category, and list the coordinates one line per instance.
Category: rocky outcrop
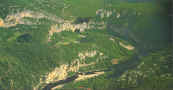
(14, 19)
(77, 77)
(18, 18)
(128, 47)
(1, 22)
(69, 26)
(86, 54)
(57, 74)
(61, 72)
(83, 76)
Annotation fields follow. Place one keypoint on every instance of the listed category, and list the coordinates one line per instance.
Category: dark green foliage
(77, 31)
(82, 20)
(24, 38)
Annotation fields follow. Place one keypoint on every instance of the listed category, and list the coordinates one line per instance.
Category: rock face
(57, 74)
(83, 77)
(18, 18)
(69, 26)
(129, 47)
(87, 54)
(1, 22)
(61, 72)
(74, 66)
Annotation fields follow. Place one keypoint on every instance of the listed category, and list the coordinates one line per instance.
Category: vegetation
(27, 54)
(153, 73)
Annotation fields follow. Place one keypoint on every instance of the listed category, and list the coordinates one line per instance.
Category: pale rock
(1, 22)
(128, 47)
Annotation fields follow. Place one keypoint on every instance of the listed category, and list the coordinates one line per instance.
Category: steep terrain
(85, 45)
